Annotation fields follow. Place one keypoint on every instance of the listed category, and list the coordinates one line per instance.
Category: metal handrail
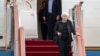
(16, 35)
(19, 35)
(22, 41)
(79, 39)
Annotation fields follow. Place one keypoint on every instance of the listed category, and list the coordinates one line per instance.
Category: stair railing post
(22, 41)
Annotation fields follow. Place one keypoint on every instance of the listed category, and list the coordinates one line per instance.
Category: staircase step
(42, 48)
(44, 53)
(40, 42)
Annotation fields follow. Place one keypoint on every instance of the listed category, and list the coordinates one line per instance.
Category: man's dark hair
(8, 0)
(43, 2)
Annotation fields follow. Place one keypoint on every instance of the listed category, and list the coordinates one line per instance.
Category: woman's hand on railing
(77, 34)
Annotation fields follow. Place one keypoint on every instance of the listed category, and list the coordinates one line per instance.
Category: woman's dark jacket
(70, 28)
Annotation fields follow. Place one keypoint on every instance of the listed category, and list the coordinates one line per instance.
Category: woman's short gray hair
(64, 13)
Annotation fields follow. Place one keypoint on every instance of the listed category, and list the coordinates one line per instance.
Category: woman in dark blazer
(63, 30)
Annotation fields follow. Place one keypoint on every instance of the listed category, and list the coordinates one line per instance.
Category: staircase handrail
(79, 39)
(22, 41)
(16, 27)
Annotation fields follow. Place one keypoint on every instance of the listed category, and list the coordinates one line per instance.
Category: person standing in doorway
(52, 14)
(43, 22)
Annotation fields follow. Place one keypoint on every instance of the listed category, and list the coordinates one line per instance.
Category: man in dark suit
(43, 22)
(52, 13)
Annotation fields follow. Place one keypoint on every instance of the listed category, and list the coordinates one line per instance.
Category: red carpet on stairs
(42, 48)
